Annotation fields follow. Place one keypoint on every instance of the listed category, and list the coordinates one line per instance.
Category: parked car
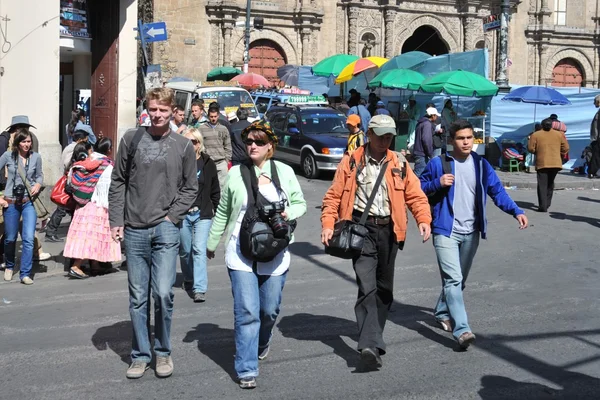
(311, 134)
(264, 99)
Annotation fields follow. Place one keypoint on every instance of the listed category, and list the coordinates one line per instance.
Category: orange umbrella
(358, 66)
(251, 80)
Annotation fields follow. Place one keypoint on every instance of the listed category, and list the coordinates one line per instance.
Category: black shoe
(76, 275)
(53, 239)
(371, 358)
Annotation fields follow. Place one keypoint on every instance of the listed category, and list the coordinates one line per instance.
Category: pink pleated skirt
(89, 236)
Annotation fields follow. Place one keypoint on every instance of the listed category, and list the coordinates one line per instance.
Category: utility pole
(501, 76)
(247, 37)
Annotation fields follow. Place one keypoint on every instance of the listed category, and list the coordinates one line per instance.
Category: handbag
(348, 236)
(61, 197)
(40, 209)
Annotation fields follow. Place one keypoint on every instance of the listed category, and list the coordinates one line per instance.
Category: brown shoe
(465, 340)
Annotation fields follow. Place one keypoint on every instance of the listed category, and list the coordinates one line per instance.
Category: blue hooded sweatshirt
(487, 183)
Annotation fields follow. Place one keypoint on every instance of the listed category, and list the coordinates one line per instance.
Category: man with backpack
(458, 185)
(153, 186)
(381, 184)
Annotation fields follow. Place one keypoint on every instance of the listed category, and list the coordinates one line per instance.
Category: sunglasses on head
(258, 142)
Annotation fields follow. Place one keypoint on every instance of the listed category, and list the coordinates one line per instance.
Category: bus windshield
(230, 100)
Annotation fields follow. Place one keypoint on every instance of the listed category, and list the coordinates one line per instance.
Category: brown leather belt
(12, 201)
(379, 221)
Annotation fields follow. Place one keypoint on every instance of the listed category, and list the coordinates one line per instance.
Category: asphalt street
(532, 298)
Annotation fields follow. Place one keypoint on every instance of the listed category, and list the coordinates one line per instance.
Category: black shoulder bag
(348, 236)
(131, 150)
(258, 241)
(435, 198)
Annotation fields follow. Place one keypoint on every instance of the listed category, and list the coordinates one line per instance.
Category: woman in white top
(256, 286)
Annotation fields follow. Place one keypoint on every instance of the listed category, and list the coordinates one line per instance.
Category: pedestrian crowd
(175, 190)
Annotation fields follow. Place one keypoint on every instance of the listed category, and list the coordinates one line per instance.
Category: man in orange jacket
(346, 200)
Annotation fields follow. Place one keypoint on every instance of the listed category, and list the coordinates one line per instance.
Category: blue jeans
(420, 164)
(12, 218)
(192, 250)
(151, 265)
(455, 256)
(256, 301)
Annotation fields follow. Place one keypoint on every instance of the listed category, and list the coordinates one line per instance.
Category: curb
(579, 184)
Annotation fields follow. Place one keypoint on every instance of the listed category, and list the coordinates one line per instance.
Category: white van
(230, 98)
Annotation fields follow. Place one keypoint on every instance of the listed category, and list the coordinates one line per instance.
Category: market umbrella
(222, 74)
(251, 80)
(398, 79)
(459, 83)
(406, 60)
(333, 65)
(289, 74)
(537, 95)
(359, 66)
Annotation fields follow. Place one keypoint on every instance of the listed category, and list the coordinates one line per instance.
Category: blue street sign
(154, 32)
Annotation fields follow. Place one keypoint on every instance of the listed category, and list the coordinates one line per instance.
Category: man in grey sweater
(145, 207)
(217, 143)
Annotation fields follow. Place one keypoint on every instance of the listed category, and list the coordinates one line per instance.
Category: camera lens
(280, 226)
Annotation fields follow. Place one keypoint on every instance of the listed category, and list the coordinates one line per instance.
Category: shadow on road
(526, 205)
(216, 343)
(595, 222)
(116, 337)
(413, 317)
(574, 384)
(588, 199)
(325, 329)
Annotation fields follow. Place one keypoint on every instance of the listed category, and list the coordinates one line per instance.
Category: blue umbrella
(537, 95)
(289, 74)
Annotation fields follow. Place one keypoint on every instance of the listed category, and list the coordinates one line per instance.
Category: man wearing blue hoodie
(457, 185)
(423, 148)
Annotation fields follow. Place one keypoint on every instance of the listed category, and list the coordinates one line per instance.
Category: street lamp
(501, 76)
(247, 36)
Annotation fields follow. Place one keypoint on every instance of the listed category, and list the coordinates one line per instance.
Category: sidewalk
(564, 180)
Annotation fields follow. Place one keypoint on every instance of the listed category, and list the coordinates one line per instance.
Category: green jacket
(234, 194)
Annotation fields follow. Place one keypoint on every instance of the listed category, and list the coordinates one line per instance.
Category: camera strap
(19, 170)
(251, 181)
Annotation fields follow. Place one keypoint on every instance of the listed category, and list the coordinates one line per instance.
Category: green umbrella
(333, 65)
(223, 74)
(459, 83)
(398, 79)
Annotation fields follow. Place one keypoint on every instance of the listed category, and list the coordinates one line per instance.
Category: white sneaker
(42, 257)
(27, 281)
(8, 274)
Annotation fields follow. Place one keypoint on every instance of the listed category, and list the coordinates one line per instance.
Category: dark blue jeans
(420, 164)
(12, 217)
(152, 268)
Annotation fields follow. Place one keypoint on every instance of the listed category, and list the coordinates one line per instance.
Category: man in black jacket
(423, 148)
(238, 148)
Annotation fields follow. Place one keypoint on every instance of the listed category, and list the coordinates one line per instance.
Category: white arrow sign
(153, 32)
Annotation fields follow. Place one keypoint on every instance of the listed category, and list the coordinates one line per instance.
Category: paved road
(533, 301)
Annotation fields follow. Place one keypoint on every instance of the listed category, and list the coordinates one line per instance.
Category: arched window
(480, 44)
(567, 72)
(265, 57)
(426, 39)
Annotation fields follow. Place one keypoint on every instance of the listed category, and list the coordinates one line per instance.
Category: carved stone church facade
(551, 42)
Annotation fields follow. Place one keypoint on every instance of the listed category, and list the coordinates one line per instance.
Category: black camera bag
(257, 241)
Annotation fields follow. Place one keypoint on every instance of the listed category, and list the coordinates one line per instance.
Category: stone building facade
(545, 44)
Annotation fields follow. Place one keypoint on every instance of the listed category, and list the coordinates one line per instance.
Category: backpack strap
(131, 150)
(446, 166)
(248, 182)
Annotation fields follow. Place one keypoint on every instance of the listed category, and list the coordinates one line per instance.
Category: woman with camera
(256, 285)
(21, 161)
(89, 233)
(196, 225)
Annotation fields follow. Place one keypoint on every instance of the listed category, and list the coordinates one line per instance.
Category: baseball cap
(353, 120)
(432, 111)
(382, 124)
(380, 103)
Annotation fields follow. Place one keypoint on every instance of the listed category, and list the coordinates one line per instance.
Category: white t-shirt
(234, 259)
(465, 186)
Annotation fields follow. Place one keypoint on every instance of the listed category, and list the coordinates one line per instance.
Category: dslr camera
(272, 213)
(19, 192)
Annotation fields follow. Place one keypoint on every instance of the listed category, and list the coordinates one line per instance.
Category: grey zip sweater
(162, 181)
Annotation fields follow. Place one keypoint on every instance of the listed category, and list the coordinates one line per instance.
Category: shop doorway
(426, 39)
(265, 57)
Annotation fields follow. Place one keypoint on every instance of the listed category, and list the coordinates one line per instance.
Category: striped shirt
(366, 181)
(217, 142)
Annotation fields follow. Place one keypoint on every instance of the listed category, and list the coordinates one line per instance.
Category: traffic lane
(526, 332)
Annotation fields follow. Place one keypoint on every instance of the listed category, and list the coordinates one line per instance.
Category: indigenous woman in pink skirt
(89, 234)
